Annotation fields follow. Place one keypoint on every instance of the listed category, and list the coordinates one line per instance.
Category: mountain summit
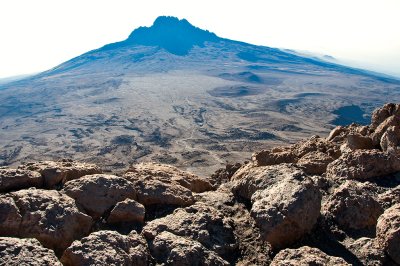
(174, 35)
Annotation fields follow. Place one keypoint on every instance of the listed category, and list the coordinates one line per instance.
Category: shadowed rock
(388, 232)
(127, 211)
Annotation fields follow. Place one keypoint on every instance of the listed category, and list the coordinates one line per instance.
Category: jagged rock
(388, 232)
(381, 129)
(251, 249)
(127, 211)
(47, 215)
(28, 251)
(167, 173)
(306, 256)
(340, 134)
(107, 248)
(223, 175)
(180, 251)
(315, 163)
(153, 190)
(291, 154)
(367, 251)
(97, 194)
(390, 140)
(352, 206)
(199, 222)
(390, 197)
(14, 179)
(286, 211)
(381, 114)
(55, 173)
(363, 164)
(356, 141)
(270, 157)
(263, 177)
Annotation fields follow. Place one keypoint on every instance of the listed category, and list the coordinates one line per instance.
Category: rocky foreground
(322, 201)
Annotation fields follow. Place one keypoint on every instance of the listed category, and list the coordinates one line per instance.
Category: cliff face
(321, 201)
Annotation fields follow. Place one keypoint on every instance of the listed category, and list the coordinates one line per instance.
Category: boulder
(167, 173)
(352, 206)
(28, 251)
(107, 248)
(367, 251)
(269, 157)
(152, 190)
(170, 249)
(286, 211)
(390, 197)
(390, 140)
(306, 256)
(47, 215)
(388, 232)
(14, 179)
(363, 164)
(356, 141)
(127, 211)
(315, 162)
(97, 194)
(55, 173)
(198, 222)
(381, 114)
(381, 129)
(257, 178)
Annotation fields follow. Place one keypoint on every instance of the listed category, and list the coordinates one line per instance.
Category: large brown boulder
(47, 215)
(98, 193)
(381, 129)
(315, 162)
(381, 114)
(291, 154)
(306, 256)
(152, 190)
(367, 251)
(28, 251)
(107, 248)
(388, 232)
(56, 173)
(363, 164)
(167, 173)
(258, 178)
(14, 179)
(171, 249)
(390, 140)
(352, 206)
(390, 197)
(286, 211)
(356, 141)
(127, 211)
(198, 222)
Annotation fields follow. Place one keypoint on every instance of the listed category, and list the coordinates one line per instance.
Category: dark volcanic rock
(107, 248)
(55, 173)
(97, 194)
(14, 179)
(28, 251)
(49, 216)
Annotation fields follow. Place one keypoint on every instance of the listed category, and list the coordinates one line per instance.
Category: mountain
(177, 94)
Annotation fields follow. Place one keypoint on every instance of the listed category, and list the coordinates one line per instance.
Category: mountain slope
(177, 94)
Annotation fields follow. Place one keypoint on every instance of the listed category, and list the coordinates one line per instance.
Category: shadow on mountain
(235, 91)
(350, 114)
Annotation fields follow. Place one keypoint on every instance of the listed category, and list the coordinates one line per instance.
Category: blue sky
(37, 35)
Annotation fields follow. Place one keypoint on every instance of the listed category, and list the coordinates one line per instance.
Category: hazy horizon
(45, 33)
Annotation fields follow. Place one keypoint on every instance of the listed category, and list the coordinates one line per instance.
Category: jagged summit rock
(177, 36)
